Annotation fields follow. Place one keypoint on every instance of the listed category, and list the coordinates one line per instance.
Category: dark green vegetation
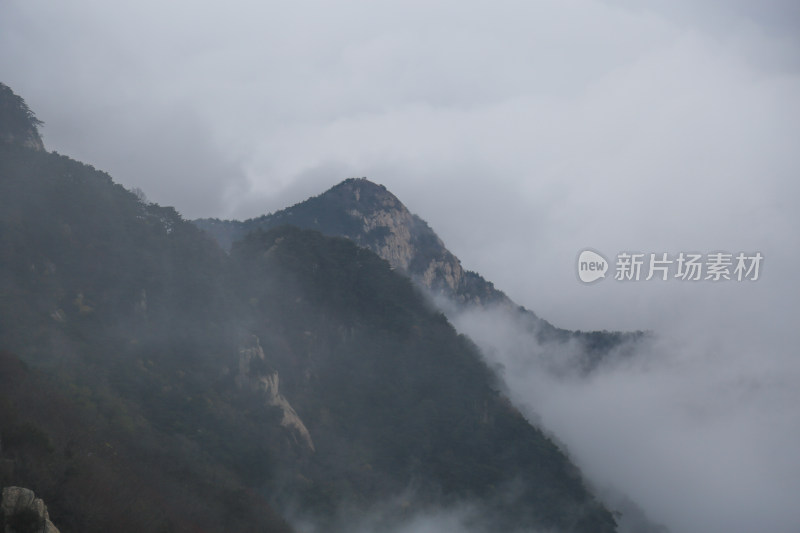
(18, 124)
(340, 212)
(139, 369)
(372, 217)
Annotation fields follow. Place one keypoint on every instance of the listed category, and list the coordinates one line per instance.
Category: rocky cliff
(22, 512)
(254, 375)
(140, 391)
(373, 217)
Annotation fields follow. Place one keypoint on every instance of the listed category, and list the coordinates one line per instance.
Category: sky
(523, 132)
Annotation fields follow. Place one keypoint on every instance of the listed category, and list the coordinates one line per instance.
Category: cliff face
(372, 217)
(22, 512)
(393, 397)
(140, 390)
(390, 230)
(255, 377)
(26, 139)
(388, 224)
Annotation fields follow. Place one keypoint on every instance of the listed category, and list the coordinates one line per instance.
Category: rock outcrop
(22, 512)
(253, 376)
(372, 217)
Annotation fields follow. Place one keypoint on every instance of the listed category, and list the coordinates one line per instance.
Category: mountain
(18, 124)
(372, 217)
(150, 381)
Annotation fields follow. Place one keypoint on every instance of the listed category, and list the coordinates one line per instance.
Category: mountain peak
(371, 216)
(364, 195)
(361, 183)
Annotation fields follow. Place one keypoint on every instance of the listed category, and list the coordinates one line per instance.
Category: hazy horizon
(523, 133)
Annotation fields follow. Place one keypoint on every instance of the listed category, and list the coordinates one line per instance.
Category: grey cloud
(166, 151)
(696, 428)
(522, 132)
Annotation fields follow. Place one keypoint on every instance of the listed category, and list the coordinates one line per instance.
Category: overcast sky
(522, 131)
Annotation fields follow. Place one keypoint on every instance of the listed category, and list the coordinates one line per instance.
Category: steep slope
(393, 397)
(372, 217)
(101, 465)
(113, 332)
(153, 382)
(18, 124)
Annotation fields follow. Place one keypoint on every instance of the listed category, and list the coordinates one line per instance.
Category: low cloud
(522, 132)
(697, 427)
(401, 516)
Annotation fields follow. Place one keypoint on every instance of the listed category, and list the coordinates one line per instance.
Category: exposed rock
(373, 217)
(30, 139)
(22, 512)
(447, 273)
(398, 236)
(253, 376)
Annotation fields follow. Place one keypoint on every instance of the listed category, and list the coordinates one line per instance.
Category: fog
(523, 132)
(699, 427)
(397, 517)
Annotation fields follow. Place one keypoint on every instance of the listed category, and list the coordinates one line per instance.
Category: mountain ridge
(368, 214)
(140, 367)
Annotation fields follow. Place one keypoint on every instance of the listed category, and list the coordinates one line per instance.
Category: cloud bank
(523, 132)
(699, 427)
